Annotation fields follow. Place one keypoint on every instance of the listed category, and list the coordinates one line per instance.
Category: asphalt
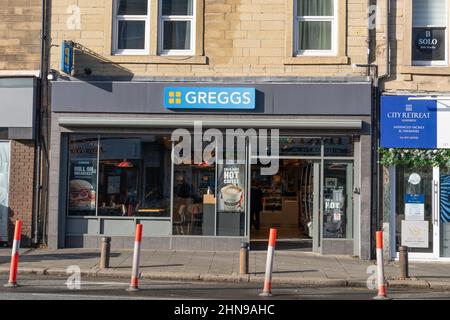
(290, 267)
(35, 287)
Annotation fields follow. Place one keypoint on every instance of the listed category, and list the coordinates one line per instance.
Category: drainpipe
(38, 143)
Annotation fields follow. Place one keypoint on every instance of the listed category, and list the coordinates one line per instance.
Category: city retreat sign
(414, 122)
(209, 98)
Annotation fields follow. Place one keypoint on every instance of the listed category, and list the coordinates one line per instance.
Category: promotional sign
(414, 207)
(231, 186)
(82, 190)
(66, 57)
(428, 44)
(209, 98)
(415, 234)
(413, 122)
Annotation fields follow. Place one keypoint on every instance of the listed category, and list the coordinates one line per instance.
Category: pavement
(290, 267)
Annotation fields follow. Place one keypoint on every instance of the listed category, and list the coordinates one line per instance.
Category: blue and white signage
(67, 56)
(209, 98)
(413, 122)
(415, 207)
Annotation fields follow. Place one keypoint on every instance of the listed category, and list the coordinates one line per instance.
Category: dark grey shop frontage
(116, 161)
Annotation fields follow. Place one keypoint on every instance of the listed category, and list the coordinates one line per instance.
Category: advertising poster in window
(231, 188)
(428, 44)
(82, 185)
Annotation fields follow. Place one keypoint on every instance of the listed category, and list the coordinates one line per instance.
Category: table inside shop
(150, 212)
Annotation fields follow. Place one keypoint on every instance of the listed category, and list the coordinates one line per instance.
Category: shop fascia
(212, 142)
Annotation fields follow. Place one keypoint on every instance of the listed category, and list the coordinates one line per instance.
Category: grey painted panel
(81, 226)
(117, 227)
(272, 98)
(155, 228)
(17, 103)
(20, 133)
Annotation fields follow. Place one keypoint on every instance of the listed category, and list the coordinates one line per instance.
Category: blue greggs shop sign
(209, 98)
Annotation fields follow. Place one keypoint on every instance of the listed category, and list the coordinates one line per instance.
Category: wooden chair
(180, 220)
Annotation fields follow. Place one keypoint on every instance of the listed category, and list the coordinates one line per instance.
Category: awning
(211, 123)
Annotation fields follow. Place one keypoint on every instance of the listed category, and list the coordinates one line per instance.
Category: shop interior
(287, 201)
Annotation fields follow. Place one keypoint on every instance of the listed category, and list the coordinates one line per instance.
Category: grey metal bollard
(403, 262)
(244, 258)
(104, 256)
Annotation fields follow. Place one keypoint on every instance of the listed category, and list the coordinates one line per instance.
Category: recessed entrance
(286, 203)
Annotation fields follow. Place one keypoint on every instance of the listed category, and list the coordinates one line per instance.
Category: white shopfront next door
(433, 190)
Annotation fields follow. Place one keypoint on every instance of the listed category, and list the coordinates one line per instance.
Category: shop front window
(194, 188)
(338, 211)
(133, 179)
(231, 198)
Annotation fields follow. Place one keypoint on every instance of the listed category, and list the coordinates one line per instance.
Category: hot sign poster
(231, 188)
(414, 122)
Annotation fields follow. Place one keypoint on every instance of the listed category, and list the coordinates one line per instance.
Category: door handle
(436, 202)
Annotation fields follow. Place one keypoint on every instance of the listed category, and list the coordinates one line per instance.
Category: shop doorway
(423, 212)
(289, 202)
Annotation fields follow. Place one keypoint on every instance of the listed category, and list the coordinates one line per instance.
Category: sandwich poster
(231, 188)
(82, 185)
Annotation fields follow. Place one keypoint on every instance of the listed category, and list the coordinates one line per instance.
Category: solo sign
(428, 44)
(209, 98)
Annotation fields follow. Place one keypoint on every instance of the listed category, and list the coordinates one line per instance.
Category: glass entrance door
(417, 211)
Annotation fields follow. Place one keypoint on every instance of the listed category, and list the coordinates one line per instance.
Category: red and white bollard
(12, 282)
(267, 291)
(134, 285)
(380, 267)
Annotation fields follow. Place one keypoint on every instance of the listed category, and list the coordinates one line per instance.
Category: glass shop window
(194, 191)
(134, 176)
(429, 32)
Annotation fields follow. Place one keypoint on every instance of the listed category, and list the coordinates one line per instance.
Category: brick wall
(20, 25)
(241, 38)
(422, 79)
(21, 188)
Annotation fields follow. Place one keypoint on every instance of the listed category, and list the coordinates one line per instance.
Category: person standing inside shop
(256, 197)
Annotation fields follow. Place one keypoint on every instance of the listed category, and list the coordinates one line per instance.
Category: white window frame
(162, 19)
(425, 63)
(117, 18)
(334, 32)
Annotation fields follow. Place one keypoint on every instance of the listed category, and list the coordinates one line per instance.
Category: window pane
(177, 35)
(315, 7)
(193, 199)
(295, 146)
(338, 147)
(132, 7)
(131, 35)
(177, 7)
(429, 13)
(82, 175)
(134, 176)
(428, 44)
(231, 198)
(314, 35)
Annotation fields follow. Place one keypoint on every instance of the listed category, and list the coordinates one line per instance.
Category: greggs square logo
(209, 98)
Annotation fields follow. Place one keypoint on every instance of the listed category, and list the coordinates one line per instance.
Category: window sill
(428, 70)
(316, 60)
(146, 59)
